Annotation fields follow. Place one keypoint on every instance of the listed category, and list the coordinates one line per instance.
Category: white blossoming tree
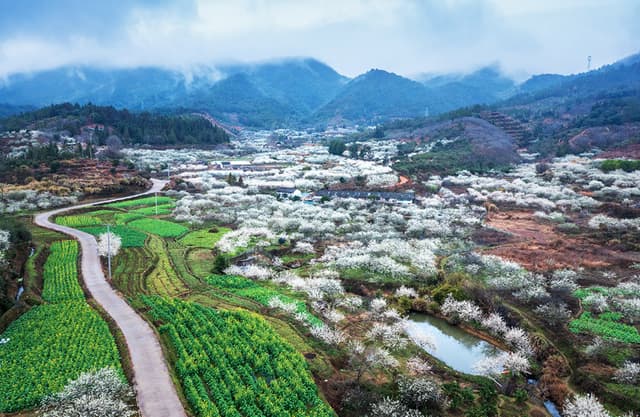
(93, 394)
(392, 408)
(514, 363)
(629, 373)
(109, 243)
(4, 244)
(584, 406)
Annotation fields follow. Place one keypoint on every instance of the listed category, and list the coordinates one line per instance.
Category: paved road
(155, 392)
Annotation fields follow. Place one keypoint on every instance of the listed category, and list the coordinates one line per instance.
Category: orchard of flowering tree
(366, 271)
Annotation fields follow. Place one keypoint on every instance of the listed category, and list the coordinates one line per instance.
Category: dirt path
(155, 392)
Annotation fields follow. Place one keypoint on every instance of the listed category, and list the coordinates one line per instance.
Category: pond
(20, 291)
(455, 347)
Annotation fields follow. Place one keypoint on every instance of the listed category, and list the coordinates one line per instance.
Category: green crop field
(79, 220)
(244, 287)
(151, 210)
(130, 268)
(162, 279)
(48, 346)
(159, 227)
(60, 273)
(139, 202)
(100, 212)
(606, 326)
(53, 343)
(123, 218)
(130, 238)
(204, 238)
(234, 363)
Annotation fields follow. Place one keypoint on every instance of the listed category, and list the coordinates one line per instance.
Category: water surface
(455, 347)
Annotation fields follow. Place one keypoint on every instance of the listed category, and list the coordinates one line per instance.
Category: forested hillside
(131, 128)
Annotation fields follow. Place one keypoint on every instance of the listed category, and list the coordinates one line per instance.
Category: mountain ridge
(299, 91)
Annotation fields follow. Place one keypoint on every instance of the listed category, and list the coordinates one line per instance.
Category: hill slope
(258, 94)
(377, 95)
(484, 86)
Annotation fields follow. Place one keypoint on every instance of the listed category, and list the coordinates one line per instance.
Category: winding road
(155, 392)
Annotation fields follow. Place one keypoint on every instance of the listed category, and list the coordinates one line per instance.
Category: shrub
(220, 263)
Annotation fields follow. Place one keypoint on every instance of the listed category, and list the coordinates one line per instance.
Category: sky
(407, 37)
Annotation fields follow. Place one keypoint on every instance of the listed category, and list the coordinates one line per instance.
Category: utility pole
(109, 249)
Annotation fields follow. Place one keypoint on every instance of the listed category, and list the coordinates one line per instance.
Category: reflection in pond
(455, 347)
(552, 409)
(20, 291)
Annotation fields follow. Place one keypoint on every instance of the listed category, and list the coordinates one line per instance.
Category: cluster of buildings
(402, 198)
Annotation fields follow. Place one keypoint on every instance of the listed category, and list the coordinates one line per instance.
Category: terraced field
(234, 363)
(162, 228)
(130, 269)
(140, 202)
(262, 294)
(54, 342)
(78, 220)
(204, 238)
(131, 238)
(162, 279)
(157, 261)
(162, 209)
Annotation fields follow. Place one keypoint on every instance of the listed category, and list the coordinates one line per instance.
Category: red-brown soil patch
(629, 151)
(599, 369)
(539, 247)
(404, 183)
(87, 176)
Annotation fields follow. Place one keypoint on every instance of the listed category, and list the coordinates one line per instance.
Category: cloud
(404, 36)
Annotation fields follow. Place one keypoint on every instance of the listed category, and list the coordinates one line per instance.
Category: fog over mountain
(280, 63)
(407, 37)
(298, 91)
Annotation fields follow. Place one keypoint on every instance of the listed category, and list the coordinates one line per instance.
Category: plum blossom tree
(93, 394)
(390, 335)
(519, 339)
(250, 271)
(333, 315)
(406, 292)
(378, 305)
(109, 242)
(629, 373)
(495, 324)
(328, 335)
(277, 304)
(304, 248)
(418, 366)
(5, 242)
(425, 341)
(422, 392)
(553, 314)
(350, 302)
(367, 358)
(515, 363)
(596, 302)
(584, 406)
(463, 310)
(392, 408)
(563, 280)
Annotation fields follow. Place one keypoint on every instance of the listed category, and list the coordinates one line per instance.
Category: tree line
(133, 128)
